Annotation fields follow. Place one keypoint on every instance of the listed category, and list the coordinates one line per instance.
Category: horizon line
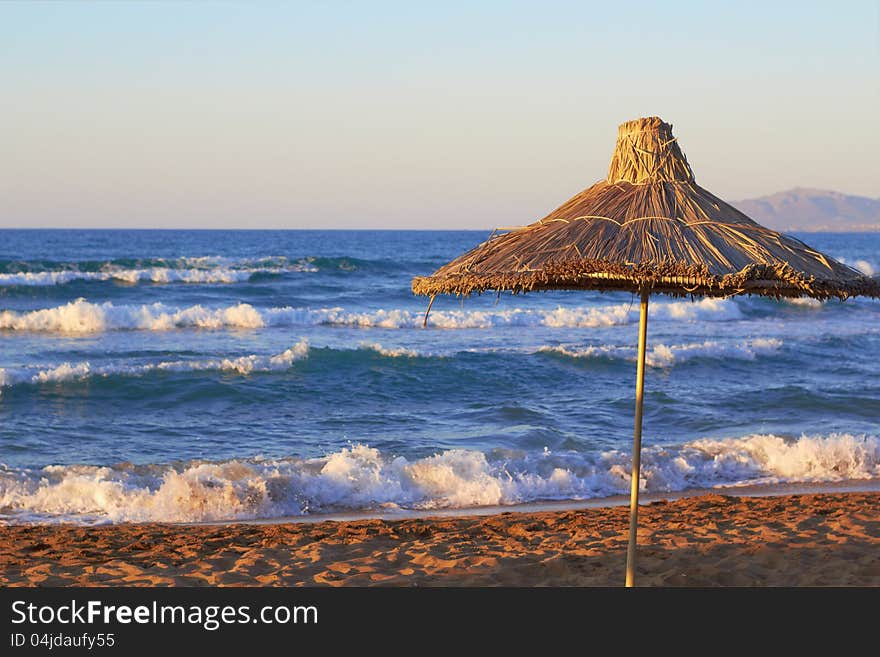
(868, 231)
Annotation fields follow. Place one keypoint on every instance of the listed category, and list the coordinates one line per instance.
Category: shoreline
(538, 506)
(807, 539)
(752, 490)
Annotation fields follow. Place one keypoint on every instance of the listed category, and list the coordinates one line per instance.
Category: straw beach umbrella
(648, 228)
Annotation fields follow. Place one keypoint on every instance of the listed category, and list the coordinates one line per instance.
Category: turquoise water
(212, 375)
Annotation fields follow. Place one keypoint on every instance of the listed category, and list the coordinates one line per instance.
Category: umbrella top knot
(646, 152)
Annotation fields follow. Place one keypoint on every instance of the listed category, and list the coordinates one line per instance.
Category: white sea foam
(77, 371)
(390, 352)
(584, 317)
(865, 267)
(156, 275)
(82, 316)
(806, 302)
(363, 478)
(243, 364)
(661, 355)
(590, 351)
(63, 372)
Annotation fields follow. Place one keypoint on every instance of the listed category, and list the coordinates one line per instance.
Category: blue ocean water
(214, 375)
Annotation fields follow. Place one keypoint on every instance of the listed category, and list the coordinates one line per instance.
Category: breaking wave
(82, 316)
(658, 356)
(196, 270)
(661, 355)
(85, 370)
(364, 479)
(155, 275)
(390, 352)
(863, 266)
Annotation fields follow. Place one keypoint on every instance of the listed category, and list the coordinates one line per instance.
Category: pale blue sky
(415, 115)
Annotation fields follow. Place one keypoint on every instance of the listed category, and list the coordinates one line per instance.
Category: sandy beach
(825, 539)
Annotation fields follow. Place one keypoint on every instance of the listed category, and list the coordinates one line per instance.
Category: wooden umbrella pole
(637, 444)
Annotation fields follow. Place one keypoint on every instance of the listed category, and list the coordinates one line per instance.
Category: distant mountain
(802, 209)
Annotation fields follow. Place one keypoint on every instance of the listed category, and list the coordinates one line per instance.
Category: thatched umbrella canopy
(648, 223)
(647, 228)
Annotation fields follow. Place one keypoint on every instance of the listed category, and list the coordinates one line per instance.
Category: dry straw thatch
(648, 226)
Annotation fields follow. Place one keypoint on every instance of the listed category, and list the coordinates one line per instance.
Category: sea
(193, 376)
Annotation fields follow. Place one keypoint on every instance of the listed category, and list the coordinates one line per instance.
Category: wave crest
(78, 371)
(200, 270)
(362, 478)
(661, 355)
(82, 316)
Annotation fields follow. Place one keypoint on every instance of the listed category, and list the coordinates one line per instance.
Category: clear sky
(415, 114)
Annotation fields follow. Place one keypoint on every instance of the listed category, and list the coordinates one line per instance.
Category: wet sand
(824, 539)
